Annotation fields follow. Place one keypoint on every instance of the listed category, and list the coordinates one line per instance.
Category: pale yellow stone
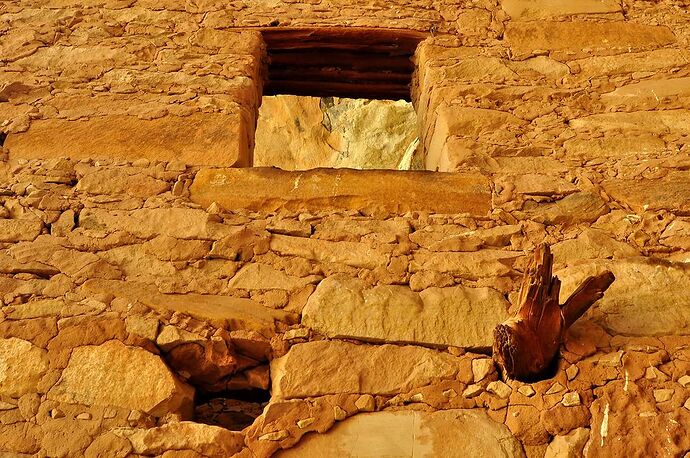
(555, 388)
(481, 367)
(329, 367)
(571, 399)
(472, 391)
(113, 374)
(275, 436)
(568, 446)
(527, 10)
(205, 439)
(264, 277)
(571, 372)
(648, 298)
(146, 327)
(684, 381)
(22, 365)
(410, 433)
(499, 388)
(297, 133)
(526, 390)
(301, 424)
(339, 414)
(663, 395)
(346, 307)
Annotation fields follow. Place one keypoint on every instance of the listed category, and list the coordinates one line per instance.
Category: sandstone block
(614, 147)
(585, 38)
(410, 434)
(386, 190)
(647, 94)
(332, 367)
(472, 266)
(351, 253)
(457, 120)
(648, 298)
(568, 446)
(201, 138)
(527, 10)
(645, 122)
(591, 244)
(148, 223)
(671, 193)
(19, 230)
(21, 367)
(264, 277)
(222, 311)
(581, 207)
(113, 374)
(119, 182)
(650, 61)
(343, 307)
(208, 440)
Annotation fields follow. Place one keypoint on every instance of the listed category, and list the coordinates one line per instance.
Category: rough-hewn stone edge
(266, 189)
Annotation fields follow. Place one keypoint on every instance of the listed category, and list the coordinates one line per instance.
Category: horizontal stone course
(371, 190)
(463, 317)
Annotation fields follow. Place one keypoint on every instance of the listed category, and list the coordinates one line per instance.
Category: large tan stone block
(459, 316)
(584, 38)
(526, 10)
(647, 94)
(472, 265)
(200, 139)
(332, 367)
(222, 311)
(411, 434)
(646, 122)
(148, 223)
(648, 298)
(670, 193)
(208, 440)
(386, 190)
(354, 254)
(113, 374)
(22, 365)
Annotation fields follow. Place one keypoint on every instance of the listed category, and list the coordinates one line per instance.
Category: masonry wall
(136, 281)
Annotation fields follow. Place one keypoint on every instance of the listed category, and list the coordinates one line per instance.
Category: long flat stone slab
(199, 139)
(463, 317)
(325, 367)
(648, 298)
(449, 434)
(223, 311)
(266, 189)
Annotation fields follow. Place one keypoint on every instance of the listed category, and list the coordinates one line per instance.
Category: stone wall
(136, 284)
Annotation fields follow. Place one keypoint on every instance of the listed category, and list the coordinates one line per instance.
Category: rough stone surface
(21, 367)
(412, 434)
(350, 368)
(461, 317)
(266, 189)
(647, 298)
(204, 439)
(113, 374)
(298, 133)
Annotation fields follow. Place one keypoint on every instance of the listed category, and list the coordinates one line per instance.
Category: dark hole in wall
(233, 410)
(3, 137)
(342, 62)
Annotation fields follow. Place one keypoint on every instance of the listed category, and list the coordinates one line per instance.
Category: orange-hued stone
(383, 190)
(203, 139)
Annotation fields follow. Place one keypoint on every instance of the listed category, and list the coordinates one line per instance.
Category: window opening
(338, 98)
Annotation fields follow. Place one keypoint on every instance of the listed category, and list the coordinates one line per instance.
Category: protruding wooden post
(526, 344)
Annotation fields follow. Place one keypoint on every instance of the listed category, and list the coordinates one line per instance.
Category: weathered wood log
(526, 344)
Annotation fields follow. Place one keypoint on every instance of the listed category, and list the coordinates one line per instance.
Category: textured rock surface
(647, 298)
(354, 368)
(298, 133)
(21, 367)
(461, 317)
(413, 434)
(266, 189)
(561, 122)
(115, 375)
